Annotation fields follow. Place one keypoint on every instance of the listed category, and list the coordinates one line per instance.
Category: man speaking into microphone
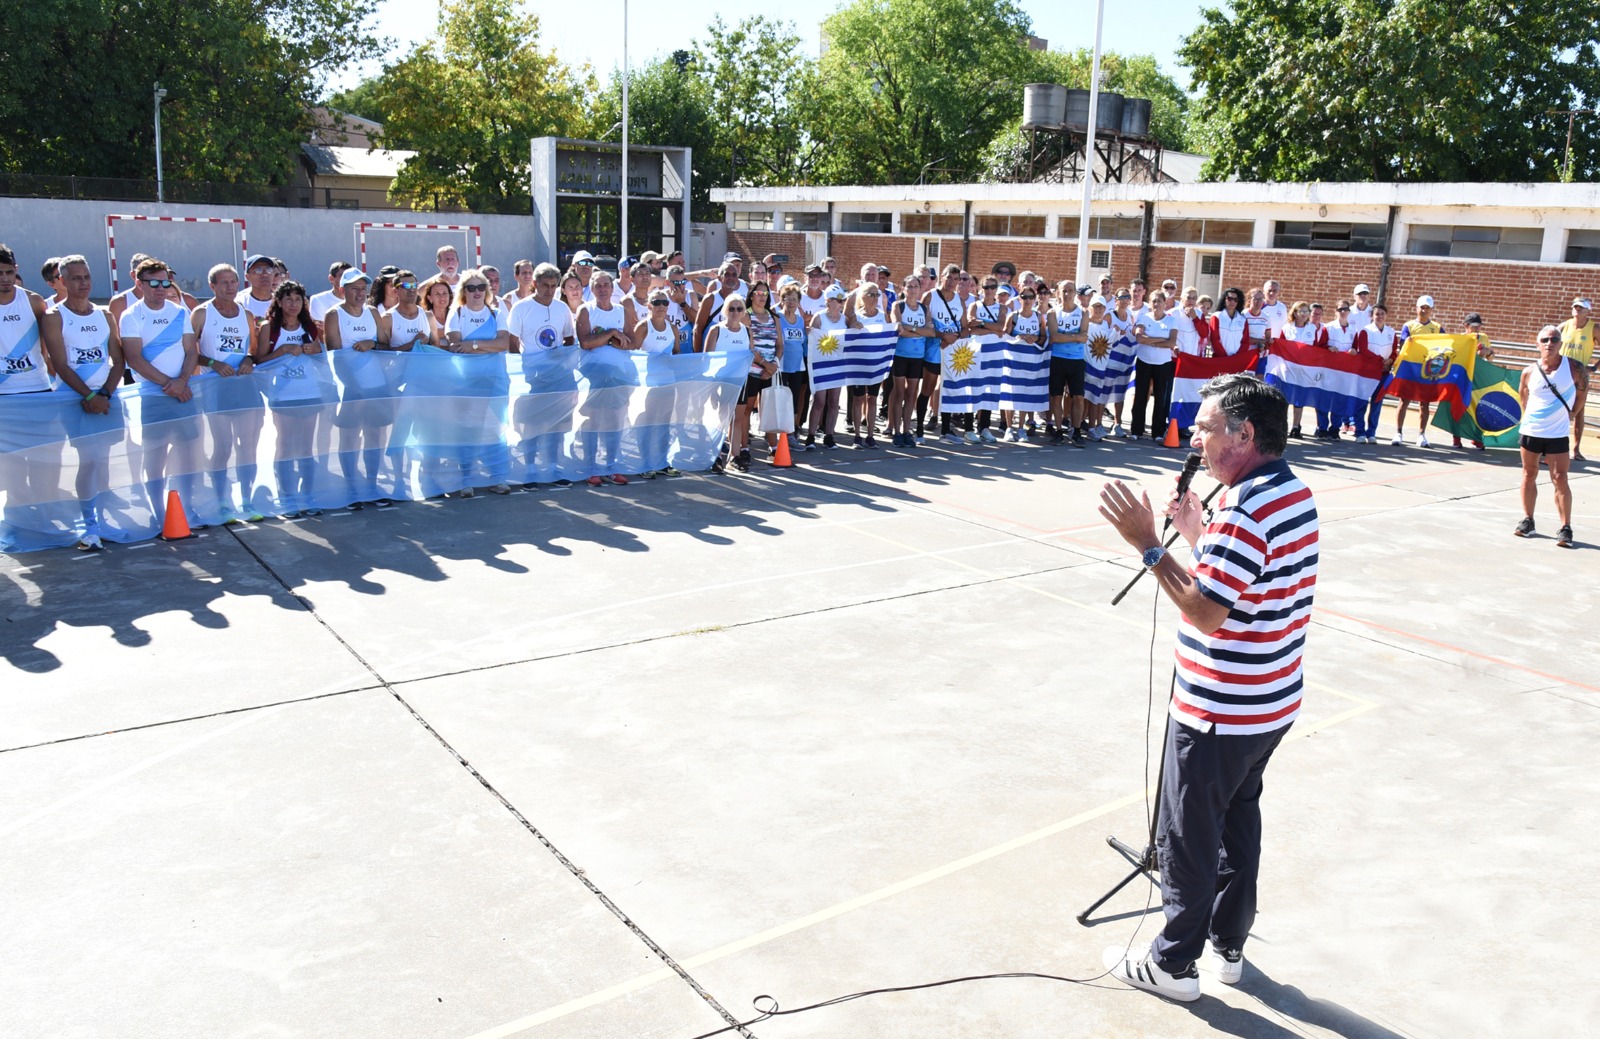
(1246, 604)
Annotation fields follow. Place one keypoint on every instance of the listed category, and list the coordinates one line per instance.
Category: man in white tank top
(162, 350)
(86, 354)
(1361, 313)
(322, 302)
(22, 364)
(261, 274)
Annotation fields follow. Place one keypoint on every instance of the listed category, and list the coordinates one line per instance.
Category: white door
(816, 247)
(927, 253)
(1208, 274)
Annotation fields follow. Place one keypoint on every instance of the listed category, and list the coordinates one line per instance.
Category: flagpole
(623, 250)
(1088, 149)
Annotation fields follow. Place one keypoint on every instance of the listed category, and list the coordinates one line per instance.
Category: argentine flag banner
(1194, 372)
(1108, 358)
(1316, 377)
(990, 372)
(853, 357)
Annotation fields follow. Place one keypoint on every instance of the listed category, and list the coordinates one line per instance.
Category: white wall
(307, 239)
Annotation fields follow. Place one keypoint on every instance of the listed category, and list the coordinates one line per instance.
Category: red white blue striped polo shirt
(1258, 557)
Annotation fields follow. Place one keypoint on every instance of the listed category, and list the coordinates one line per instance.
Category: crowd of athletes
(652, 302)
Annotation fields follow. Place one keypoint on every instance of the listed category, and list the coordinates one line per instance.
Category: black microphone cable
(767, 1007)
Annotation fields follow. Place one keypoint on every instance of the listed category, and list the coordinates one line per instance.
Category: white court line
(605, 995)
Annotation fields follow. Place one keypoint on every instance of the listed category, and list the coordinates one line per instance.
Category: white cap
(582, 254)
(834, 292)
(1359, 289)
(351, 276)
(1424, 301)
(1582, 301)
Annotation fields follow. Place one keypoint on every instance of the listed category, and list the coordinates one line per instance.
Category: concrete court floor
(436, 771)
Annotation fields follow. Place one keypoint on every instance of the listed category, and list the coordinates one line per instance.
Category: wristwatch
(1152, 556)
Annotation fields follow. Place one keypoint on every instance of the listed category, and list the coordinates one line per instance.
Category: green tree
(762, 89)
(1392, 90)
(669, 106)
(915, 87)
(470, 99)
(240, 76)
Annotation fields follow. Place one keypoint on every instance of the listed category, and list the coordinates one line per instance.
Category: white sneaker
(1022, 436)
(988, 437)
(1013, 435)
(1141, 972)
(1228, 965)
(971, 437)
(1096, 434)
(1422, 441)
(1398, 441)
(1118, 431)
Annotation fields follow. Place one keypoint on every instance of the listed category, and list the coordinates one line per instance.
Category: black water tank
(1077, 110)
(1110, 118)
(1135, 117)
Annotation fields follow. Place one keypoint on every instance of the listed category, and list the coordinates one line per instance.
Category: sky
(657, 28)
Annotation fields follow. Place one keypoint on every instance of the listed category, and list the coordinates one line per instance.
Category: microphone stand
(1165, 544)
(1145, 862)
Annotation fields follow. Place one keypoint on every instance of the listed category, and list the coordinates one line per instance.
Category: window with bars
(864, 223)
(1475, 243)
(752, 220)
(931, 223)
(1583, 246)
(1103, 228)
(994, 225)
(805, 221)
(1330, 236)
(1196, 231)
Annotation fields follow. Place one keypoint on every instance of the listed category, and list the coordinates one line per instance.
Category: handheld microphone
(1191, 465)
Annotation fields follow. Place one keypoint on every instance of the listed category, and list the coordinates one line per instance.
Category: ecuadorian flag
(1436, 368)
(1496, 413)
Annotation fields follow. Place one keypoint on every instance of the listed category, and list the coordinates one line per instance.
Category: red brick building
(1516, 253)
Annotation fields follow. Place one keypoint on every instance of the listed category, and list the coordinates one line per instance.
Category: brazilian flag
(1495, 416)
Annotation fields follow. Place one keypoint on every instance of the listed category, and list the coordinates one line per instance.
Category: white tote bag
(777, 408)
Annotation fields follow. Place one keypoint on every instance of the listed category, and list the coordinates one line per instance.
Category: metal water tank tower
(1077, 114)
(1135, 117)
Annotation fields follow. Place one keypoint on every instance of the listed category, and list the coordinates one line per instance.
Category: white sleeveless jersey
(730, 339)
(87, 338)
(257, 307)
(1026, 326)
(1341, 339)
(988, 312)
(1359, 318)
(1547, 416)
(407, 331)
(682, 322)
(809, 306)
(913, 315)
(827, 324)
(604, 320)
(291, 336)
(659, 340)
(474, 325)
(354, 330)
(22, 367)
(160, 334)
(224, 339)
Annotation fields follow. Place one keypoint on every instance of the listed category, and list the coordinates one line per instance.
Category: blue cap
(628, 261)
(251, 261)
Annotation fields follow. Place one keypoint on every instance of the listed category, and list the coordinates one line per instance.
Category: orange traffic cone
(1172, 434)
(780, 454)
(176, 525)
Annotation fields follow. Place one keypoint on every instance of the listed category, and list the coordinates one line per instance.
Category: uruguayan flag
(990, 372)
(853, 357)
(1109, 359)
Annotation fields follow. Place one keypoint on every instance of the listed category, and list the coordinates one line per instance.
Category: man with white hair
(1550, 394)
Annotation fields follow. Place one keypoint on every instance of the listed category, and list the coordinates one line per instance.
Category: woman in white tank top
(658, 339)
(609, 368)
(825, 403)
(300, 384)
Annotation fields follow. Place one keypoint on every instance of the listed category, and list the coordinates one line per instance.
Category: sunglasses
(776, 268)
(1344, 310)
(583, 263)
(1030, 295)
(406, 284)
(158, 283)
(477, 288)
(736, 310)
(658, 303)
(679, 284)
(1549, 339)
(991, 285)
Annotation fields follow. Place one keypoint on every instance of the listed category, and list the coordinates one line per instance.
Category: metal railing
(117, 189)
